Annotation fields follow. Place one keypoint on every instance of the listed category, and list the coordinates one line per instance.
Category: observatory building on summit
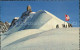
(29, 8)
(26, 13)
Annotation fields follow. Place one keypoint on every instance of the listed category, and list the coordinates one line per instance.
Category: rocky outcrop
(4, 26)
(14, 21)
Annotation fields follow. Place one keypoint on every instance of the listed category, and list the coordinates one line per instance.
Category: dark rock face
(13, 22)
(24, 14)
(7, 24)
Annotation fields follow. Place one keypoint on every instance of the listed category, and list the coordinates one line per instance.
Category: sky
(11, 9)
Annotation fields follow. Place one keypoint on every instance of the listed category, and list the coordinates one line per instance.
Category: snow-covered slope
(36, 39)
(38, 20)
(18, 35)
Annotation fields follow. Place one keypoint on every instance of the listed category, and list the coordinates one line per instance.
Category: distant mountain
(4, 26)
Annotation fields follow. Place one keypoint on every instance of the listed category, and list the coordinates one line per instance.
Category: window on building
(57, 26)
(63, 25)
(69, 25)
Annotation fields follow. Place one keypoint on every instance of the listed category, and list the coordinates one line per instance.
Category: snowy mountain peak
(37, 20)
(16, 18)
